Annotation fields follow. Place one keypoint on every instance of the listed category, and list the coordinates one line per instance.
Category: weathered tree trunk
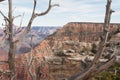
(11, 54)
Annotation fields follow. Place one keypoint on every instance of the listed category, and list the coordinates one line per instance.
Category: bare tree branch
(105, 32)
(16, 16)
(22, 35)
(111, 34)
(49, 8)
(34, 15)
(31, 19)
(106, 65)
(3, 62)
(4, 16)
(29, 67)
(18, 30)
(30, 62)
(22, 19)
(6, 30)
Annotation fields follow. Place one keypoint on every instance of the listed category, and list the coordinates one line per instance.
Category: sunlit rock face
(83, 31)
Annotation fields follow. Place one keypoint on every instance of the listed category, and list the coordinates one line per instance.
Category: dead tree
(31, 61)
(34, 15)
(95, 65)
(11, 54)
(10, 33)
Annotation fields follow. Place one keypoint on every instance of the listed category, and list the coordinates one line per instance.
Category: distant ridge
(39, 33)
(90, 23)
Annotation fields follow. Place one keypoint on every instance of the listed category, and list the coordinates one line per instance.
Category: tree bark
(11, 54)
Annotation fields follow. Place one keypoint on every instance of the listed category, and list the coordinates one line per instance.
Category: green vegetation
(113, 73)
(94, 48)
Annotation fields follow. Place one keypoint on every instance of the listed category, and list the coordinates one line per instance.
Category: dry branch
(34, 15)
(31, 61)
(16, 16)
(90, 71)
(4, 16)
(3, 62)
(106, 65)
(111, 34)
(49, 8)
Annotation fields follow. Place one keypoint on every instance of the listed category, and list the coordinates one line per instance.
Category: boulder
(70, 51)
(54, 60)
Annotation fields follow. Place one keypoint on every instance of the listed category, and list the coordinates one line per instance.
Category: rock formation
(60, 54)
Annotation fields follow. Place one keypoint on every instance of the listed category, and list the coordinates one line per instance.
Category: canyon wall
(75, 34)
(83, 31)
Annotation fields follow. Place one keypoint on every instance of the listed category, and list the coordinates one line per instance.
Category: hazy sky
(69, 11)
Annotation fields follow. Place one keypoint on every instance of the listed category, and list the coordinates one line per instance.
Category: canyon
(62, 53)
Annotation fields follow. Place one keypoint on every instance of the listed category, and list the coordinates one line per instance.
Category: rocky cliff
(84, 32)
(60, 54)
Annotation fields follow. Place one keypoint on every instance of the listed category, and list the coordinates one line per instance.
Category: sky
(68, 11)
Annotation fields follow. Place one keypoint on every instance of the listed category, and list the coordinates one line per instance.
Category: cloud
(82, 10)
(87, 10)
(81, 6)
(23, 9)
(116, 13)
(22, 1)
(69, 10)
